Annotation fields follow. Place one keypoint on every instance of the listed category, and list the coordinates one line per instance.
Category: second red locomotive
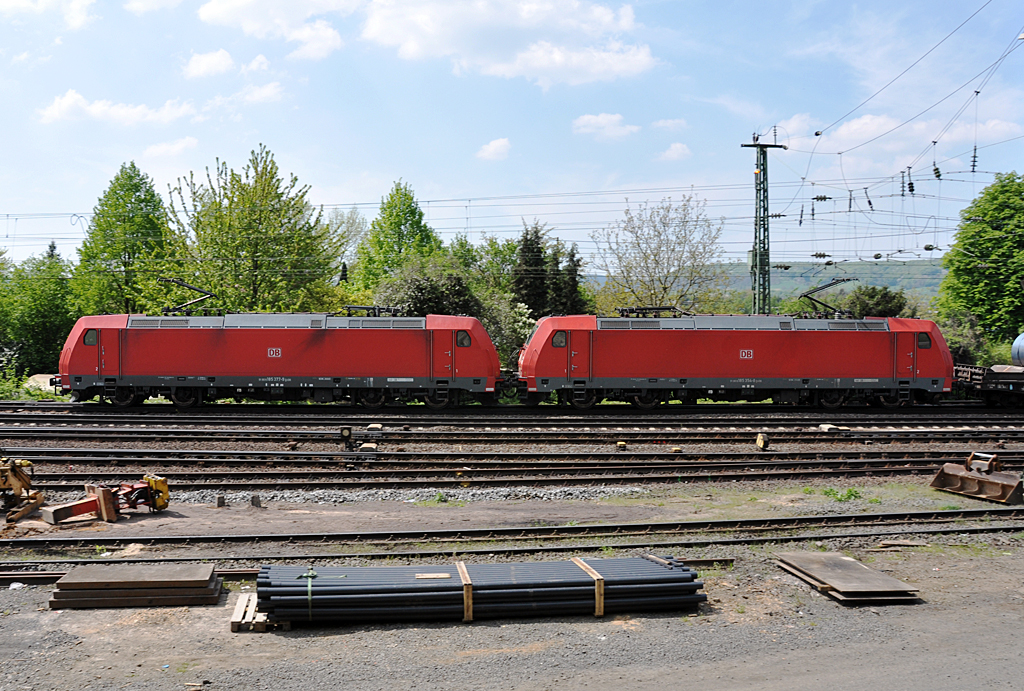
(790, 360)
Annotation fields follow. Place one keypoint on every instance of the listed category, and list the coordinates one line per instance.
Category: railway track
(635, 435)
(537, 539)
(691, 416)
(409, 471)
(453, 459)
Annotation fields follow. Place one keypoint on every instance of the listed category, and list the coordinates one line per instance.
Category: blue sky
(496, 110)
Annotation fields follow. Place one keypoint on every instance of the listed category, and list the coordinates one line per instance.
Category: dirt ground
(761, 627)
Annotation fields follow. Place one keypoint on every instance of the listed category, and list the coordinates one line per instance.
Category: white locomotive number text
(746, 355)
(273, 352)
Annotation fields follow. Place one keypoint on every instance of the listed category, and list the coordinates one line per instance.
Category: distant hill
(921, 277)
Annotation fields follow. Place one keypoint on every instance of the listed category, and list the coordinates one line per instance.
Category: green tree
(665, 254)
(530, 275)
(254, 239)
(6, 300)
(566, 294)
(125, 241)
(40, 314)
(875, 301)
(498, 259)
(986, 261)
(396, 235)
(429, 286)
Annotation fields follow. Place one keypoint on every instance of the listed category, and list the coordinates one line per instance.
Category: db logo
(273, 352)
(746, 355)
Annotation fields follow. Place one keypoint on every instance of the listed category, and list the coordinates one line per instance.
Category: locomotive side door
(442, 349)
(906, 355)
(110, 352)
(579, 355)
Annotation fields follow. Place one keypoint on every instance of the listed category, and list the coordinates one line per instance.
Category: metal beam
(760, 268)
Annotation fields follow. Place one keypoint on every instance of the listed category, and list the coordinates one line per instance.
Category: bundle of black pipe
(481, 591)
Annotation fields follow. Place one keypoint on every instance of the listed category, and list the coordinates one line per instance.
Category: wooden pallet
(246, 618)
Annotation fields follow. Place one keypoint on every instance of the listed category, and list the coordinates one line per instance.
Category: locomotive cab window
(558, 339)
(90, 337)
(462, 339)
(924, 341)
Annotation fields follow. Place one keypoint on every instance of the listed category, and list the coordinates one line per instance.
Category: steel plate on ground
(123, 576)
(845, 578)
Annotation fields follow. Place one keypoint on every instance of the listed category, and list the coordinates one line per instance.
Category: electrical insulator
(929, 248)
(938, 173)
(819, 255)
(878, 255)
(821, 198)
(910, 186)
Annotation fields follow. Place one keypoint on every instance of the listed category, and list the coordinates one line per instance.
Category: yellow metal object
(160, 493)
(16, 494)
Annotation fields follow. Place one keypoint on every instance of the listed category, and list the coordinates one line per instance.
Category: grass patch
(848, 495)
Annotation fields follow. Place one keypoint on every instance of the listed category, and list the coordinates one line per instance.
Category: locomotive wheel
(586, 403)
(831, 399)
(646, 401)
(185, 397)
(372, 398)
(436, 403)
(889, 400)
(124, 396)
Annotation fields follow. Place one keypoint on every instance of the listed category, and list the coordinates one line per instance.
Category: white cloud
(260, 94)
(258, 63)
(675, 152)
(208, 64)
(548, 64)
(250, 94)
(494, 150)
(549, 42)
(75, 12)
(72, 105)
(676, 124)
(603, 126)
(283, 20)
(171, 148)
(143, 6)
(21, 57)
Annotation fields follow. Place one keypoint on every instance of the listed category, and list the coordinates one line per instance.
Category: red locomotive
(321, 357)
(800, 361)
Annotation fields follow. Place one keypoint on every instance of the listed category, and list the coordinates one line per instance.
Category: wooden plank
(102, 603)
(250, 612)
(61, 512)
(240, 606)
(34, 501)
(844, 574)
(598, 585)
(259, 622)
(213, 588)
(118, 576)
(467, 591)
(433, 575)
(108, 509)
